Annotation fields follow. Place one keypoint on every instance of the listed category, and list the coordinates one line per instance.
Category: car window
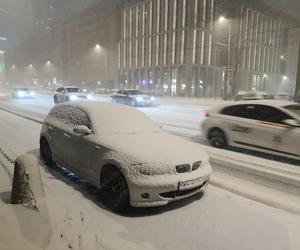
(71, 116)
(295, 109)
(135, 92)
(60, 90)
(73, 90)
(257, 112)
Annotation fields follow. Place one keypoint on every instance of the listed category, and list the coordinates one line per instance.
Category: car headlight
(90, 97)
(149, 170)
(196, 165)
(32, 93)
(73, 97)
(21, 93)
(152, 98)
(139, 99)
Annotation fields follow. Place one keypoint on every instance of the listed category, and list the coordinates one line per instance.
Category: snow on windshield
(121, 119)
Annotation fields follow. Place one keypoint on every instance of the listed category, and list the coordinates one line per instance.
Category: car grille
(82, 97)
(184, 168)
(174, 194)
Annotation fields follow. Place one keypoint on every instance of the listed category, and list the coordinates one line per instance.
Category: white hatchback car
(120, 150)
(267, 126)
(70, 93)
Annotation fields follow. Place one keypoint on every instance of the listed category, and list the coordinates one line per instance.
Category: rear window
(295, 109)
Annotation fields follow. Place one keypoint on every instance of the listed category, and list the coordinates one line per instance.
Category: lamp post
(222, 20)
(99, 47)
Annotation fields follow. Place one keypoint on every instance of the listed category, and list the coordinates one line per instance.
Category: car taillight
(205, 114)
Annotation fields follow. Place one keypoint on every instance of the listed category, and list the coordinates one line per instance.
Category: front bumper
(160, 196)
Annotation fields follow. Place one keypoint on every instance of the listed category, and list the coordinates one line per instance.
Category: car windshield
(22, 89)
(122, 120)
(295, 109)
(73, 90)
(135, 92)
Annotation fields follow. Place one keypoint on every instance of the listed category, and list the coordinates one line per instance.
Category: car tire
(217, 138)
(114, 189)
(45, 153)
(55, 100)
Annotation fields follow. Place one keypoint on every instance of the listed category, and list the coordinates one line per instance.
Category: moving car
(70, 93)
(22, 93)
(132, 97)
(124, 153)
(297, 97)
(283, 96)
(267, 126)
(252, 95)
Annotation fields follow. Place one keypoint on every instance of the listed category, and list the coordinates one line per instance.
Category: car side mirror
(292, 123)
(82, 130)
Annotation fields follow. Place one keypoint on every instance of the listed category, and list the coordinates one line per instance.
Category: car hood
(158, 148)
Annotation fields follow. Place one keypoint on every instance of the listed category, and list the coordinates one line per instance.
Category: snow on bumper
(160, 190)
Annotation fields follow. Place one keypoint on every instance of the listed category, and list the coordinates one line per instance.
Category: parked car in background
(297, 97)
(70, 93)
(283, 96)
(252, 95)
(133, 162)
(22, 93)
(132, 97)
(268, 125)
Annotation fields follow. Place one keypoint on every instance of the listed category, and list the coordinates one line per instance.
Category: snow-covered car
(124, 153)
(22, 93)
(252, 95)
(70, 93)
(267, 125)
(132, 97)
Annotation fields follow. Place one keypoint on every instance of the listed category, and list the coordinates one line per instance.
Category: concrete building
(200, 47)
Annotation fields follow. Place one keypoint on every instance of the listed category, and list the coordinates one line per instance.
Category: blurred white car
(283, 96)
(22, 93)
(70, 93)
(132, 97)
(266, 125)
(252, 95)
(121, 151)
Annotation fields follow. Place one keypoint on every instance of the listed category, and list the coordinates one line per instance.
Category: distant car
(22, 93)
(252, 95)
(70, 93)
(297, 97)
(283, 96)
(267, 126)
(124, 153)
(132, 97)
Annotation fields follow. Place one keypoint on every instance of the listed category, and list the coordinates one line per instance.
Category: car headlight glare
(32, 93)
(139, 99)
(73, 97)
(90, 97)
(21, 93)
(152, 98)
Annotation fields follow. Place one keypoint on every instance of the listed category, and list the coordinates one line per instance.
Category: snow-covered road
(74, 217)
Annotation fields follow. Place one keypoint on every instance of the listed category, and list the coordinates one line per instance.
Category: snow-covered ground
(74, 218)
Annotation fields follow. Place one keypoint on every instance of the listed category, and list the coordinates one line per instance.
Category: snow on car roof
(116, 118)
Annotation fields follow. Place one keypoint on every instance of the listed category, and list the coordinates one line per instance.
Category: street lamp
(98, 47)
(264, 84)
(222, 20)
(285, 78)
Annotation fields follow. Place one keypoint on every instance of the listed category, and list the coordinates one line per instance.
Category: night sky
(16, 18)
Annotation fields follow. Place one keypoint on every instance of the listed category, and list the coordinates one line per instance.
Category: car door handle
(67, 135)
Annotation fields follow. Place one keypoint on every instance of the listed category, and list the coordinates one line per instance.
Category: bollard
(27, 186)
